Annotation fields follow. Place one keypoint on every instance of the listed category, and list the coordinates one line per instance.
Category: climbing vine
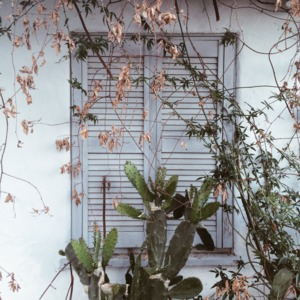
(257, 165)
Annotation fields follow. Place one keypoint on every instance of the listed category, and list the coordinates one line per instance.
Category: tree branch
(91, 40)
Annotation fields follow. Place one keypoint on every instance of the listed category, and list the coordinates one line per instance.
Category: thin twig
(91, 40)
(4, 143)
(54, 278)
(31, 184)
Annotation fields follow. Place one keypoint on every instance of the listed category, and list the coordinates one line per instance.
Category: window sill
(194, 260)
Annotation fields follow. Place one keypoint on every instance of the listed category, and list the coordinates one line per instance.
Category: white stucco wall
(29, 243)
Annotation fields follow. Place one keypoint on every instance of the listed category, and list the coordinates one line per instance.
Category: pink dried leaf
(25, 21)
(25, 127)
(41, 9)
(54, 17)
(9, 198)
(84, 133)
(18, 41)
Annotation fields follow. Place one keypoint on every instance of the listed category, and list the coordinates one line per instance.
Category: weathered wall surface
(29, 243)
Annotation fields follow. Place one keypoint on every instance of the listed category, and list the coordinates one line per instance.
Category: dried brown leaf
(9, 198)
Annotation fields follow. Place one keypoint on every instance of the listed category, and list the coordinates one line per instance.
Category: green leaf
(109, 246)
(139, 183)
(97, 244)
(75, 84)
(169, 190)
(281, 284)
(186, 289)
(144, 191)
(83, 254)
(205, 191)
(208, 210)
(76, 265)
(194, 211)
(131, 172)
(130, 211)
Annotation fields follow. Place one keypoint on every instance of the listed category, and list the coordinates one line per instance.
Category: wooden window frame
(79, 222)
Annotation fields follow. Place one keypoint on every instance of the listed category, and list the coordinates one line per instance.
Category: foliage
(253, 167)
(153, 281)
(90, 271)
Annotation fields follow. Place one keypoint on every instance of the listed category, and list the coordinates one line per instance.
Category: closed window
(144, 121)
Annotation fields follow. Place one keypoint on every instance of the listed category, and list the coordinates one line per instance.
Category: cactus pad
(179, 249)
(186, 289)
(156, 231)
(109, 246)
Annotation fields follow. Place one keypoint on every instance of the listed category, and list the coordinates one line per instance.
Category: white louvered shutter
(107, 164)
(170, 147)
(180, 155)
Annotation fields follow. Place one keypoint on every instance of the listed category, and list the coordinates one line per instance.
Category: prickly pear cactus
(159, 280)
(179, 249)
(109, 247)
(83, 254)
(156, 231)
(186, 289)
(154, 289)
(139, 183)
(90, 271)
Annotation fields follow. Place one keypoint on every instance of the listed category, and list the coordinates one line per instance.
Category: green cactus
(179, 249)
(131, 172)
(137, 275)
(139, 183)
(109, 247)
(97, 244)
(87, 268)
(155, 280)
(169, 190)
(130, 211)
(154, 289)
(199, 210)
(156, 231)
(187, 288)
(83, 253)
(193, 211)
(160, 177)
(93, 290)
(76, 265)
(208, 210)
(205, 191)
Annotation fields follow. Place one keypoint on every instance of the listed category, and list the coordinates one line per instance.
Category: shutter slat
(183, 156)
(102, 162)
(170, 146)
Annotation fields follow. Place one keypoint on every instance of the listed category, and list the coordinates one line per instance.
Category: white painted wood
(169, 146)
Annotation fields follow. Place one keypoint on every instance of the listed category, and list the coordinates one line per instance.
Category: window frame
(79, 214)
